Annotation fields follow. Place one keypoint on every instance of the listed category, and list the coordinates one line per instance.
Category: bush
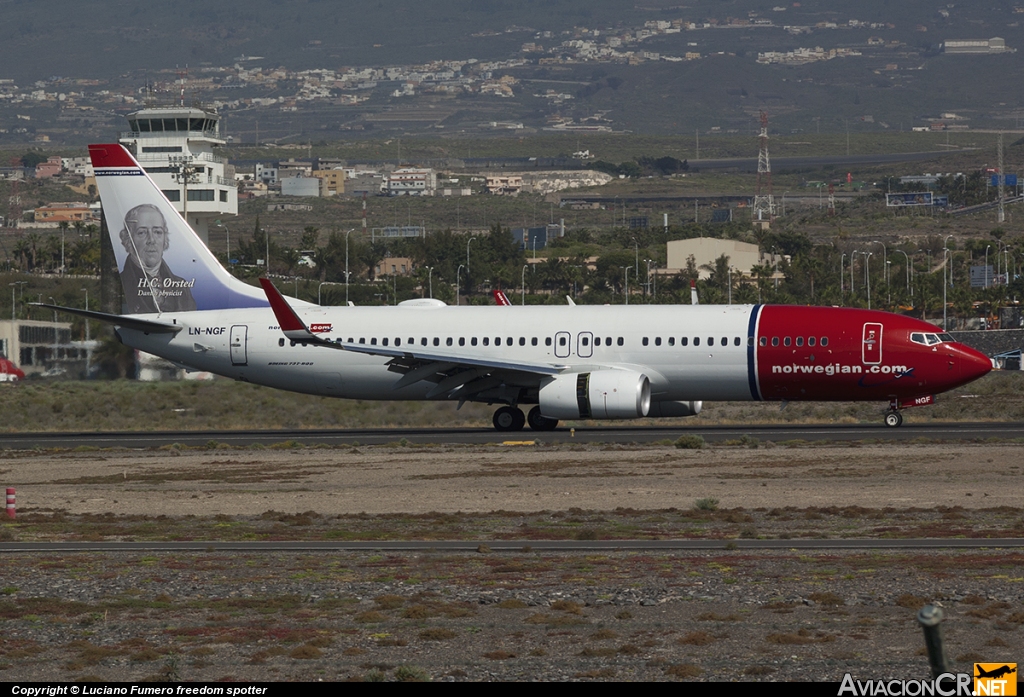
(706, 504)
(690, 442)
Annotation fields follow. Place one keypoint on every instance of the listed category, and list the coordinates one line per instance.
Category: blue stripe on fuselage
(751, 347)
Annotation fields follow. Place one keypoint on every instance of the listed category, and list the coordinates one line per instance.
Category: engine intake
(604, 394)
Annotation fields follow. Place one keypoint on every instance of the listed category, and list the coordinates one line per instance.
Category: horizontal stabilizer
(142, 325)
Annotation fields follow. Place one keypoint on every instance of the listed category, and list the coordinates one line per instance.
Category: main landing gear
(893, 419)
(512, 419)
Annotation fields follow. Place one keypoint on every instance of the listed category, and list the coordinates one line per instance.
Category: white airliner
(570, 362)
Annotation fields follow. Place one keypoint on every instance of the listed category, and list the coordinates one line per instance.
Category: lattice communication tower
(764, 201)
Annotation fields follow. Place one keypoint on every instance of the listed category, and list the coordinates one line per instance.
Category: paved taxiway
(484, 436)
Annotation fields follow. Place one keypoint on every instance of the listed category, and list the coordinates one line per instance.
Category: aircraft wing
(456, 375)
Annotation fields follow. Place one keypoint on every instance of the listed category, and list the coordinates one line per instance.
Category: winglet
(293, 327)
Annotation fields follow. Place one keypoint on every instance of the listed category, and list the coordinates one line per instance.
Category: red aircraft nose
(973, 364)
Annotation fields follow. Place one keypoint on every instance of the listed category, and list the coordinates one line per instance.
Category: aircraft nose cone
(973, 364)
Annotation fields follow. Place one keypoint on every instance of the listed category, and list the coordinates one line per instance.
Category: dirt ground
(525, 615)
(448, 479)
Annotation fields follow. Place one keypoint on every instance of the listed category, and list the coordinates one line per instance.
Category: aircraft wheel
(893, 419)
(539, 422)
(509, 419)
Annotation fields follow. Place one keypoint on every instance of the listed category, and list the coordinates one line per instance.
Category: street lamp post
(867, 275)
(458, 272)
(853, 260)
(885, 263)
(945, 253)
(626, 288)
(842, 280)
(944, 266)
(523, 283)
(907, 258)
(88, 347)
(430, 280)
(346, 265)
(987, 247)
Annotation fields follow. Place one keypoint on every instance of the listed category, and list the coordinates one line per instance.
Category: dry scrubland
(224, 404)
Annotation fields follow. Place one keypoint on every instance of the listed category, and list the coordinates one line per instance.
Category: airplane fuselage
(704, 352)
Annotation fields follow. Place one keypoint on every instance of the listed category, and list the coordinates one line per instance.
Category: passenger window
(763, 341)
(775, 341)
(462, 341)
(585, 341)
(547, 341)
(423, 341)
(824, 341)
(597, 341)
(607, 341)
(799, 341)
(497, 341)
(437, 341)
(810, 341)
(657, 341)
(280, 342)
(645, 341)
(561, 341)
(508, 341)
(683, 341)
(472, 341)
(351, 340)
(671, 341)
(522, 341)
(620, 341)
(384, 341)
(410, 341)
(787, 341)
(725, 341)
(448, 341)
(373, 341)
(696, 341)
(736, 341)
(361, 341)
(487, 341)
(711, 341)
(398, 342)
(293, 343)
(533, 341)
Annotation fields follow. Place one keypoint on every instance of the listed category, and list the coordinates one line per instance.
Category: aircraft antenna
(764, 201)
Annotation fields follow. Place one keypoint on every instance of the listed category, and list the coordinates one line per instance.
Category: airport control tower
(175, 146)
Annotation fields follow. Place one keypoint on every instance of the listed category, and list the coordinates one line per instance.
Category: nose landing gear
(893, 419)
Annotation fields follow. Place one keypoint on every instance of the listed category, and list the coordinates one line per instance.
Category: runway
(486, 436)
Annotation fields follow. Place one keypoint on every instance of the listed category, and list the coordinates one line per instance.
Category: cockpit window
(929, 339)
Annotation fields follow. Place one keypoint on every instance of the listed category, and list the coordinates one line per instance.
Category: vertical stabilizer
(164, 266)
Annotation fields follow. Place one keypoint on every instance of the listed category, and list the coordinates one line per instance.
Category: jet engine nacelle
(602, 394)
(667, 409)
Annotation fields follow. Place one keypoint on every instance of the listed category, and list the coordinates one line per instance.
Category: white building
(175, 146)
(743, 256)
(409, 182)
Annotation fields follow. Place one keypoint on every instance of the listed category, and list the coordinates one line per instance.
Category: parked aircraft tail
(163, 264)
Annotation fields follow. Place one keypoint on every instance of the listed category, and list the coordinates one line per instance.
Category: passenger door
(871, 343)
(239, 333)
